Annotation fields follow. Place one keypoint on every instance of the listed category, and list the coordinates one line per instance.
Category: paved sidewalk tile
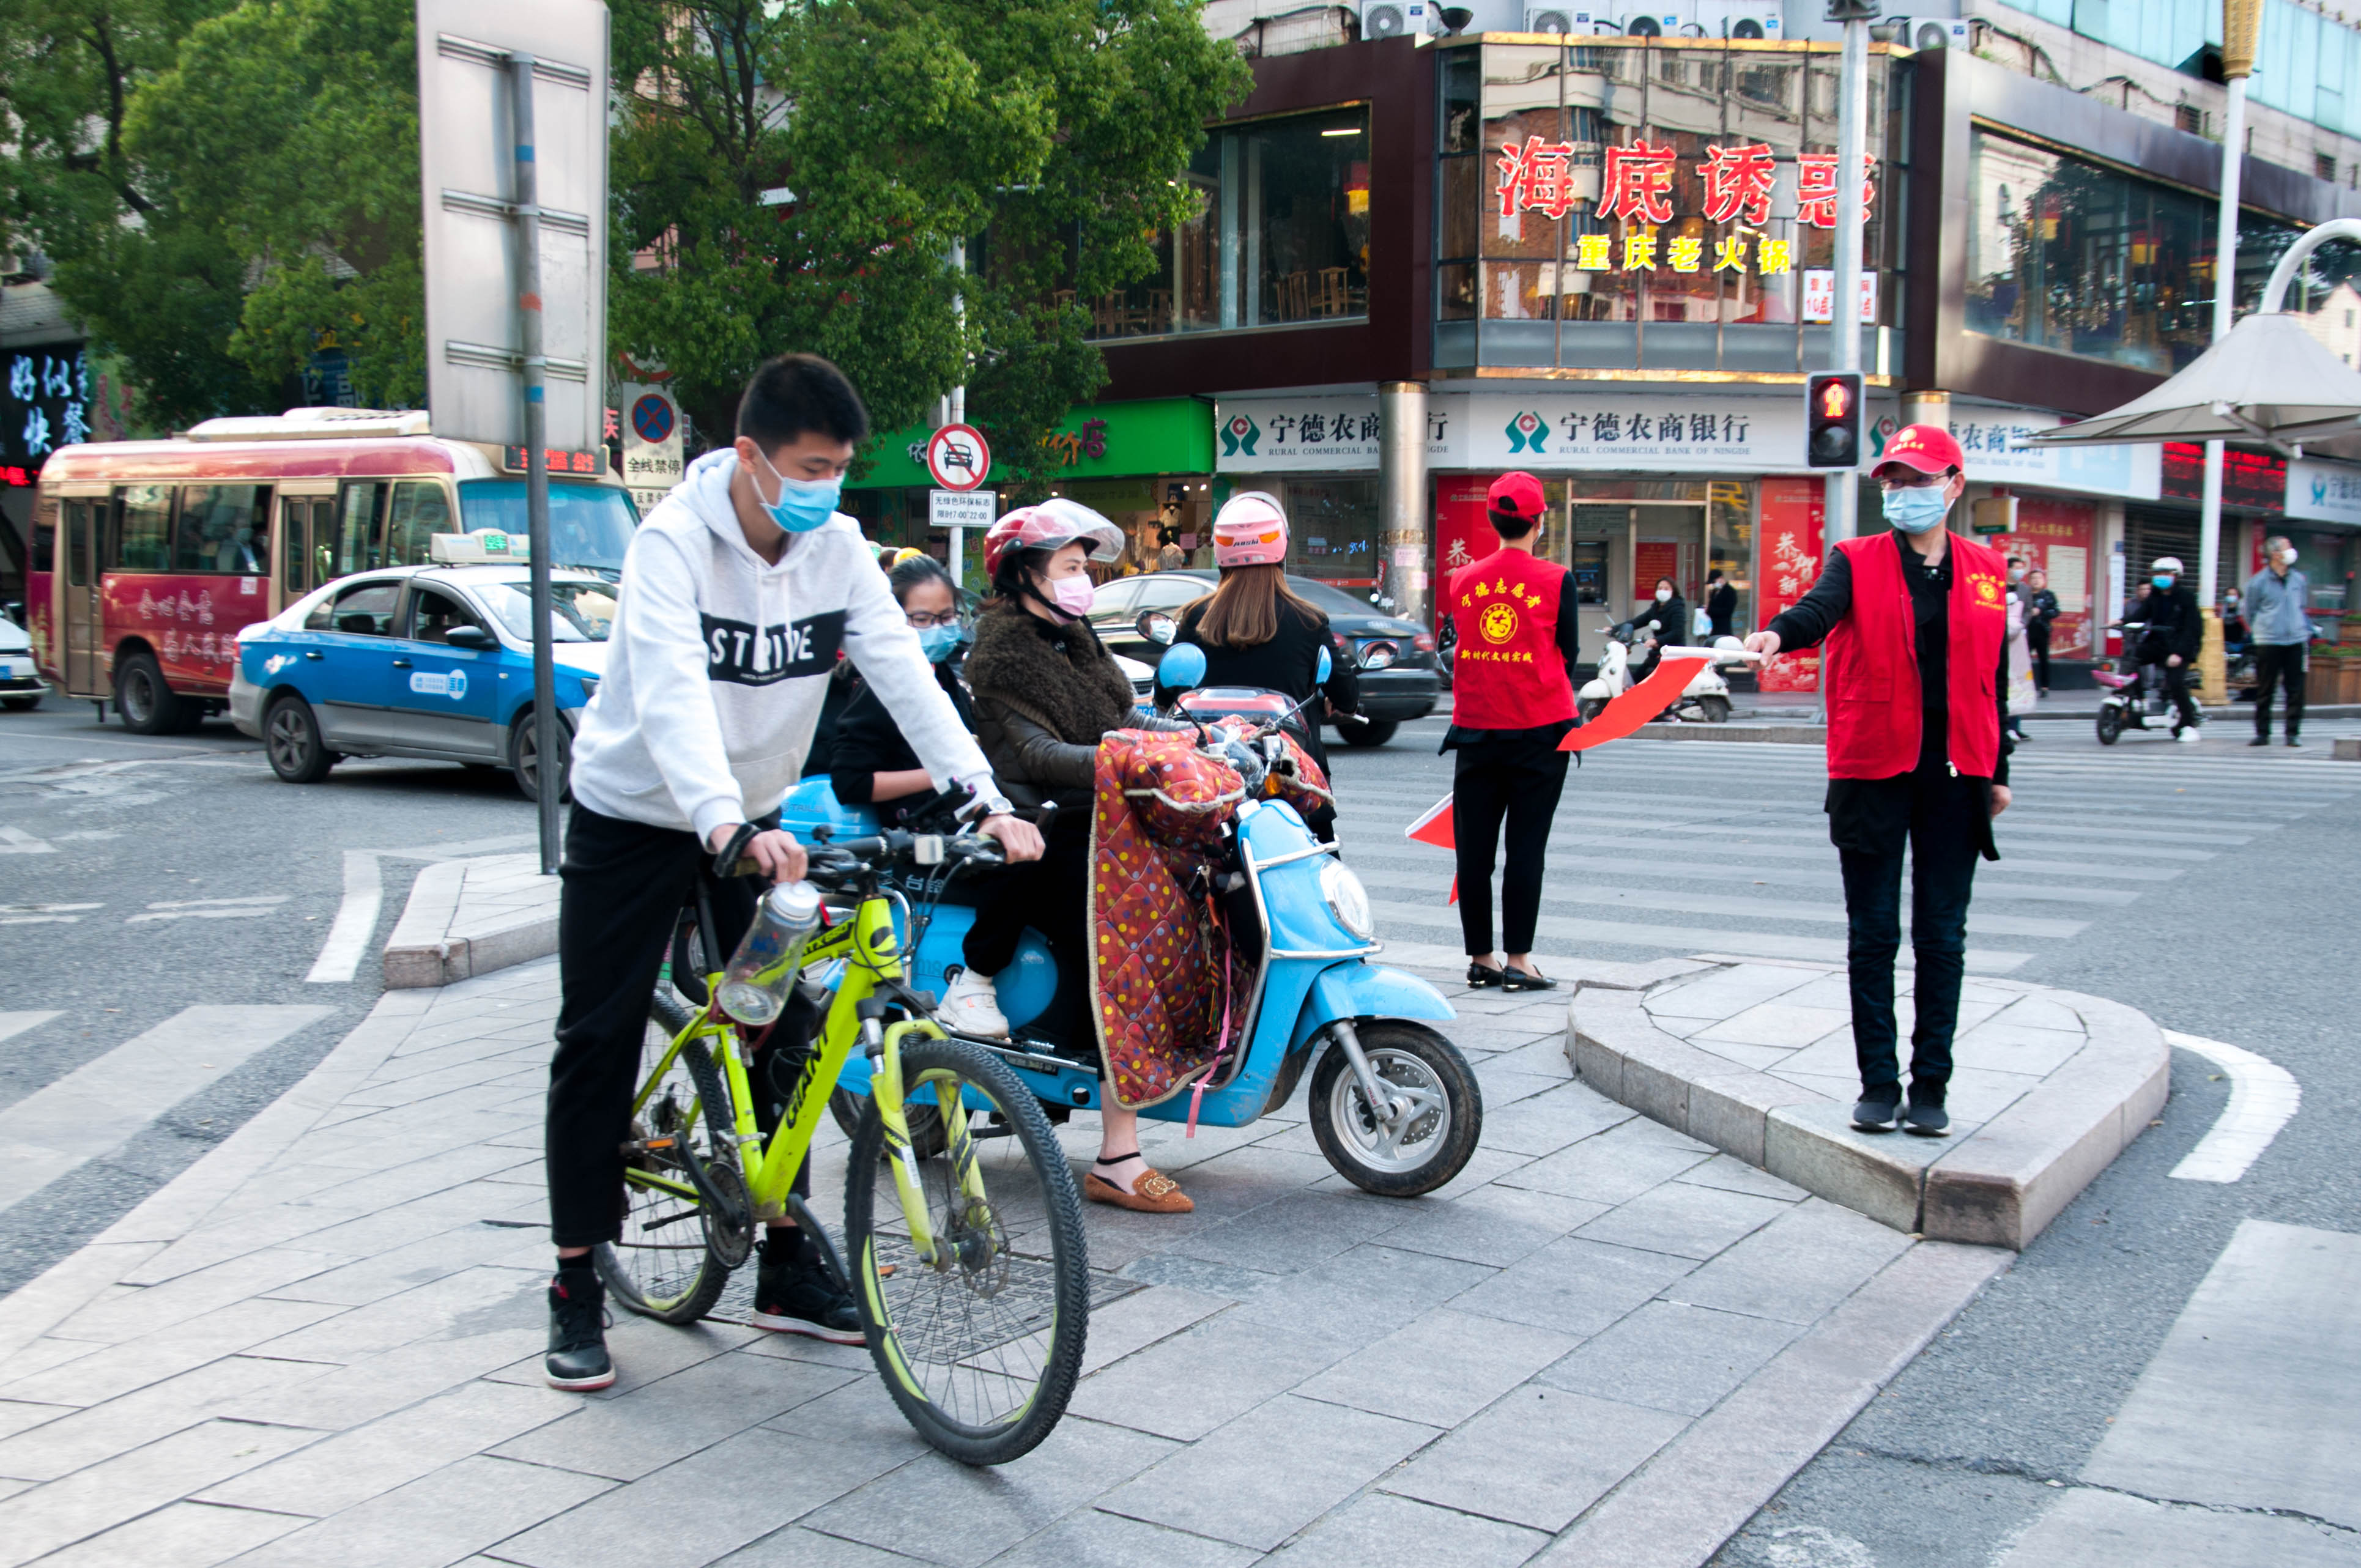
(1094, 1539)
(436, 1519)
(1537, 1458)
(186, 1535)
(1383, 1531)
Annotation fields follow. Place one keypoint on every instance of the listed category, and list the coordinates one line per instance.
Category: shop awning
(2267, 379)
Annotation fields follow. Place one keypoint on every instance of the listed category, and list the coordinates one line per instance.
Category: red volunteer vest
(1508, 673)
(1870, 664)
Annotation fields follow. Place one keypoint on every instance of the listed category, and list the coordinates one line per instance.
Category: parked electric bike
(2136, 691)
(1393, 1104)
(1705, 700)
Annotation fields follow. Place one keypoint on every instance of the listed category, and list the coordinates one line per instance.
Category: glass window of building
(1280, 235)
(1633, 203)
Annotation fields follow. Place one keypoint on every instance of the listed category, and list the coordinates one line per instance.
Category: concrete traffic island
(469, 917)
(1755, 1057)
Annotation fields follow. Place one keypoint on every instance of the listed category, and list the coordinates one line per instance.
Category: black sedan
(1400, 678)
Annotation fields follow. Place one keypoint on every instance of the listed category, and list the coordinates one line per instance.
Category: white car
(21, 686)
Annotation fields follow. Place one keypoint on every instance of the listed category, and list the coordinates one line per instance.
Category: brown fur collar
(1063, 673)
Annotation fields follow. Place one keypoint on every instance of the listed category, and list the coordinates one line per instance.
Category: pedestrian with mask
(2041, 609)
(1666, 621)
(2281, 634)
(2173, 636)
(1512, 702)
(1720, 603)
(1914, 623)
(874, 764)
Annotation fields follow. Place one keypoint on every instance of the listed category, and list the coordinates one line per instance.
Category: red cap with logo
(1928, 448)
(1517, 495)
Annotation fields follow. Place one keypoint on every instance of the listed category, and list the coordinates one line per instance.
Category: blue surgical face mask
(1917, 510)
(803, 504)
(941, 641)
(2162, 579)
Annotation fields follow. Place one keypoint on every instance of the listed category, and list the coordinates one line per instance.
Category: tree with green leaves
(801, 175)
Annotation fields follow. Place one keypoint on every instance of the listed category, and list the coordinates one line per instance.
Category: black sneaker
(802, 1297)
(1875, 1114)
(577, 1355)
(2261, 740)
(2292, 740)
(1928, 1121)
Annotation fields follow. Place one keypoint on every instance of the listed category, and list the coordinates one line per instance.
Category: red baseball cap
(1517, 495)
(1926, 447)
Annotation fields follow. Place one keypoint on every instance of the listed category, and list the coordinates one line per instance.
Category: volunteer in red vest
(1914, 622)
(1512, 702)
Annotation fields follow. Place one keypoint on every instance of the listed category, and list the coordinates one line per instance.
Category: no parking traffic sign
(957, 457)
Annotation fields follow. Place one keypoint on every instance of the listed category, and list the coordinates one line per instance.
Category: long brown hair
(1243, 611)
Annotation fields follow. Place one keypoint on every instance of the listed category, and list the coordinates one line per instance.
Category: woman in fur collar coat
(1045, 690)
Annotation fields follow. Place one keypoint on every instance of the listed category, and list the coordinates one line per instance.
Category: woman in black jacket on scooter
(872, 764)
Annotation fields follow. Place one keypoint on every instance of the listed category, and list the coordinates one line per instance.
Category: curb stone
(1997, 1185)
(426, 950)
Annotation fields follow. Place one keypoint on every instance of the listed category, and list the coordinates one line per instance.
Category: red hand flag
(1638, 706)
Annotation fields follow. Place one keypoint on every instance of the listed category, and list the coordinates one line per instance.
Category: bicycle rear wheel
(675, 1253)
(981, 1349)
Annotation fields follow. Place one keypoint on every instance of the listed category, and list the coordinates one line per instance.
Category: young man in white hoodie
(739, 591)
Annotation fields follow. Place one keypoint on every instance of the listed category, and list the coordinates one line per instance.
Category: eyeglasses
(921, 621)
(1916, 482)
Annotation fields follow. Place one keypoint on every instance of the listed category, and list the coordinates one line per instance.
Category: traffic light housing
(1832, 403)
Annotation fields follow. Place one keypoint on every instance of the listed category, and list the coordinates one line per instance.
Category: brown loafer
(1153, 1193)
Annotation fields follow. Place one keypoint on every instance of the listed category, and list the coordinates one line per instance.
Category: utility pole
(2242, 22)
(548, 753)
(1842, 506)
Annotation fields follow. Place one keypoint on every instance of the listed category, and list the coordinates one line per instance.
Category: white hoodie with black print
(717, 662)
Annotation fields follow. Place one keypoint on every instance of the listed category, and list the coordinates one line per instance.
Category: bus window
(143, 533)
(45, 545)
(77, 544)
(364, 609)
(294, 546)
(422, 508)
(223, 527)
(360, 528)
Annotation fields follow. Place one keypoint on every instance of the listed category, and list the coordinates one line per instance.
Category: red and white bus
(149, 556)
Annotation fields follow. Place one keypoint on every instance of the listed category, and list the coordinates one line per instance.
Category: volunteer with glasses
(874, 764)
(1915, 620)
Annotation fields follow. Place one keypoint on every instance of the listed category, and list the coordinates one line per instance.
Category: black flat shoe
(1928, 1121)
(1520, 980)
(1876, 1116)
(1481, 975)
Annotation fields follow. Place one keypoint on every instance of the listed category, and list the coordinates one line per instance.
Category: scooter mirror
(1158, 627)
(1323, 669)
(1183, 668)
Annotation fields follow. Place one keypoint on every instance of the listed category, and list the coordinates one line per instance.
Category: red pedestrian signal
(1832, 420)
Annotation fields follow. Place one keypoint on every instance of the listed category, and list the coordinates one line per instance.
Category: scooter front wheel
(1590, 708)
(1427, 1135)
(2111, 725)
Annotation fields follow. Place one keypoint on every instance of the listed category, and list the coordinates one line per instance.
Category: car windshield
(589, 525)
(14, 639)
(580, 612)
(1335, 601)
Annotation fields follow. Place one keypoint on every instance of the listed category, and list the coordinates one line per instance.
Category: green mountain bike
(964, 1252)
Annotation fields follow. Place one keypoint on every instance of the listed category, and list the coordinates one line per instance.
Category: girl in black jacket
(872, 764)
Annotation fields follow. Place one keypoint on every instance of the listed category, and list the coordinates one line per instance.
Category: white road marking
(43, 914)
(15, 1023)
(2263, 1097)
(348, 938)
(17, 841)
(103, 1104)
(211, 909)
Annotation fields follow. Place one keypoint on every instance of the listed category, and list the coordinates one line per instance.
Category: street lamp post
(1843, 501)
(2241, 23)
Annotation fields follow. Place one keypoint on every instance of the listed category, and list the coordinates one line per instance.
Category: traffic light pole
(1842, 506)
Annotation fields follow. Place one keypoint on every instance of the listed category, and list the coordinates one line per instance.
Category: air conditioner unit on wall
(1559, 20)
(1927, 32)
(1744, 19)
(1394, 18)
(1665, 20)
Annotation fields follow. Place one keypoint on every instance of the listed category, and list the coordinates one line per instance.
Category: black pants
(622, 885)
(2176, 687)
(1053, 895)
(2274, 663)
(1945, 840)
(2036, 642)
(1483, 795)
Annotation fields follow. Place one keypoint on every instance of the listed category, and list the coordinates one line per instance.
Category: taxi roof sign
(490, 546)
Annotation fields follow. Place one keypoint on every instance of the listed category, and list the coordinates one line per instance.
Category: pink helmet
(1250, 531)
(1046, 526)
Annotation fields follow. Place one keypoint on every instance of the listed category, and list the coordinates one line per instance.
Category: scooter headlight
(1349, 901)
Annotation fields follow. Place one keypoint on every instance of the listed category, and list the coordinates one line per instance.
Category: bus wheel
(148, 706)
(291, 735)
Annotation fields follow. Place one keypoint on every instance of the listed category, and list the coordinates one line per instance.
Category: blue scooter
(1393, 1104)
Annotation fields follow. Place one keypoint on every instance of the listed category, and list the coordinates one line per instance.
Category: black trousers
(2176, 687)
(2275, 663)
(2036, 642)
(1485, 795)
(622, 888)
(1945, 840)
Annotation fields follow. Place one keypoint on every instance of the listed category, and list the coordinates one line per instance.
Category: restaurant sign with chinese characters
(1636, 189)
(44, 404)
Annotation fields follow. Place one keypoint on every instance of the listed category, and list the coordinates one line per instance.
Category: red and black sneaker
(577, 1358)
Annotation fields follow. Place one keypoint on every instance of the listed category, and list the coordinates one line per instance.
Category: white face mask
(1664, 595)
(2286, 557)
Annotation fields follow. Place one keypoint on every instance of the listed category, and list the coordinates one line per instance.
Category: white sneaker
(2188, 735)
(971, 1007)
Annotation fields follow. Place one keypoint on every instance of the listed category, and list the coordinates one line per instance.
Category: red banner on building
(2053, 537)
(1791, 539)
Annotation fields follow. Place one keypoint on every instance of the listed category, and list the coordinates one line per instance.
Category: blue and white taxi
(433, 662)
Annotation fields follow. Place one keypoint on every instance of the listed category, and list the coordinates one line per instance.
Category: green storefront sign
(1104, 441)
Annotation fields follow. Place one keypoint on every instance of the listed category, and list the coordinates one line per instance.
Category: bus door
(82, 637)
(307, 544)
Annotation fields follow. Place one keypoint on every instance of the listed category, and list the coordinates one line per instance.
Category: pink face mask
(1073, 594)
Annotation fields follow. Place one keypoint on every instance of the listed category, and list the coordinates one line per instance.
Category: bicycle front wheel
(980, 1343)
(675, 1253)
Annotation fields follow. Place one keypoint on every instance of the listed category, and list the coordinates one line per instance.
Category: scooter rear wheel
(1438, 1135)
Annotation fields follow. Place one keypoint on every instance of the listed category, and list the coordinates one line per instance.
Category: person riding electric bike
(2173, 636)
(1046, 691)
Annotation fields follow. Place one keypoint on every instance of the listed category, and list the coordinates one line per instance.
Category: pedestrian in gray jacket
(2282, 631)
